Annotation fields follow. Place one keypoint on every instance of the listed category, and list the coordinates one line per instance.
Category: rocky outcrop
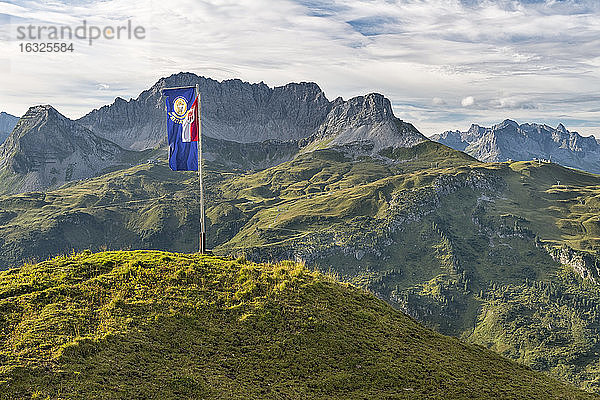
(584, 264)
(232, 110)
(47, 149)
(236, 111)
(367, 120)
(511, 141)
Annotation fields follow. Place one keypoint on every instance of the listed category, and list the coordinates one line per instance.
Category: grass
(149, 324)
(551, 326)
(428, 229)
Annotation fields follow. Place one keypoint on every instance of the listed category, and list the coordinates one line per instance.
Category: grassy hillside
(149, 324)
(503, 255)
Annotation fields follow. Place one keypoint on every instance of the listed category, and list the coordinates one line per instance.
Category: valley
(470, 249)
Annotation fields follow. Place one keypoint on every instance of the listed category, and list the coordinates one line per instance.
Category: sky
(444, 64)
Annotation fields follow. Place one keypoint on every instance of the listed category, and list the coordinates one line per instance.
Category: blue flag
(182, 128)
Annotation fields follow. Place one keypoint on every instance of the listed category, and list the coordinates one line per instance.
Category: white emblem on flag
(186, 132)
(180, 108)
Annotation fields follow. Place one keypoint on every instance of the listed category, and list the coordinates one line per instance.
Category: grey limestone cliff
(47, 149)
(520, 142)
(365, 119)
(232, 110)
(236, 111)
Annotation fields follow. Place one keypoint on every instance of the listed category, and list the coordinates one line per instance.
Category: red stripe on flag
(195, 124)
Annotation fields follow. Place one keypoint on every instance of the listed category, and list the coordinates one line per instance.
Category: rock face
(245, 126)
(584, 264)
(509, 140)
(241, 112)
(231, 110)
(365, 119)
(47, 149)
(7, 124)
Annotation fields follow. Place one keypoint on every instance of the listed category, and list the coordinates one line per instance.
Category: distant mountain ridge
(521, 142)
(7, 123)
(48, 149)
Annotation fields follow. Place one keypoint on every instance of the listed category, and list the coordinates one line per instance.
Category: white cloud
(511, 103)
(467, 101)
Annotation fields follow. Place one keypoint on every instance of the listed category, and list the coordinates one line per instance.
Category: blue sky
(444, 64)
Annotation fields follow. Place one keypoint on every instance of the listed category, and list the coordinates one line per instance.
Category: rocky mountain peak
(366, 120)
(43, 112)
(561, 128)
(47, 149)
(507, 124)
(474, 128)
(35, 117)
(6, 120)
(459, 140)
(509, 140)
(475, 131)
(232, 110)
(371, 108)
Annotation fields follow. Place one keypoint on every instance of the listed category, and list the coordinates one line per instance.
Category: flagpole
(202, 244)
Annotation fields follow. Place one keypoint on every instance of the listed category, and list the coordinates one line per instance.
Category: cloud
(529, 59)
(467, 101)
(513, 103)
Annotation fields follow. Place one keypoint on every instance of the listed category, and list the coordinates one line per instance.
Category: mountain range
(237, 111)
(511, 141)
(505, 255)
(265, 126)
(47, 149)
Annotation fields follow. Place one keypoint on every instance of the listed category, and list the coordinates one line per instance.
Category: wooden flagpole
(202, 244)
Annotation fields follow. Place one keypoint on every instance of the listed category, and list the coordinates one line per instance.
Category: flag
(182, 128)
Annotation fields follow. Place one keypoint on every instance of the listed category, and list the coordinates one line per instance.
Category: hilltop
(163, 325)
(499, 254)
